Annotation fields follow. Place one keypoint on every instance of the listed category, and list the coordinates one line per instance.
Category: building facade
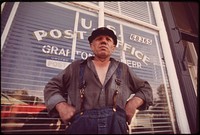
(39, 39)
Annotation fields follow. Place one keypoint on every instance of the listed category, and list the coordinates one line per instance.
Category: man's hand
(65, 111)
(131, 107)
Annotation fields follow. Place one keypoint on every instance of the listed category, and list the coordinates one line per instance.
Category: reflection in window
(192, 61)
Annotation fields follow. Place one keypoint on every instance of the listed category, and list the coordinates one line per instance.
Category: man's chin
(103, 55)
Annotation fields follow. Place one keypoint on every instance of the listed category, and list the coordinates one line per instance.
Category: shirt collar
(112, 67)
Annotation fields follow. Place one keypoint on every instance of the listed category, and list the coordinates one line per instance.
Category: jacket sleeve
(141, 88)
(54, 91)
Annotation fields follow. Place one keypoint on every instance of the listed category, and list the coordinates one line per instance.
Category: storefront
(39, 39)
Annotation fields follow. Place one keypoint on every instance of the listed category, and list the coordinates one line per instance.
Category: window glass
(38, 46)
(143, 54)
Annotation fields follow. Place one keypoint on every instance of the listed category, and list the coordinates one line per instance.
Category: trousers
(99, 121)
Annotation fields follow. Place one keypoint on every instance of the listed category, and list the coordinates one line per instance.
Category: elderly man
(92, 95)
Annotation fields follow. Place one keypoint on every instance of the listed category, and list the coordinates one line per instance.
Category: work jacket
(65, 87)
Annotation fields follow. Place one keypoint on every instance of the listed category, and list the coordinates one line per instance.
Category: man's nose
(103, 40)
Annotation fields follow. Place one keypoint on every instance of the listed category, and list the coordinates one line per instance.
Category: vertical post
(101, 14)
(8, 24)
(176, 92)
(75, 37)
(122, 56)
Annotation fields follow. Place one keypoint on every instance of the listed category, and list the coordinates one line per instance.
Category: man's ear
(91, 46)
(113, 48)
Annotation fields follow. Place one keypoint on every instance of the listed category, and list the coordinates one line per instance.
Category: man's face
(102, 46)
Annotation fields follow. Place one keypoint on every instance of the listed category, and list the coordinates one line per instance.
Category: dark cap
(103, 31)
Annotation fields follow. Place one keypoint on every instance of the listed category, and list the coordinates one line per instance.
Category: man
(92, 94)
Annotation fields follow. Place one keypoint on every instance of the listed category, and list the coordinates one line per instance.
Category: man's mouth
(103, 47)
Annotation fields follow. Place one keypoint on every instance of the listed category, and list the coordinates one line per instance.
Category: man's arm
(54, 91)
(143, 96)
(131, 107)
(65, 111)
